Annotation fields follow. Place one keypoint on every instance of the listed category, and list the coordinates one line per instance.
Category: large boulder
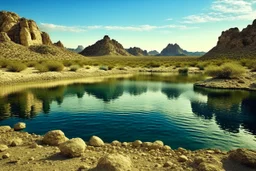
(54, 138)
(19, 126)
(96, 141)
(22, 30)
(244, 156)
(73, 147)
(114, 162)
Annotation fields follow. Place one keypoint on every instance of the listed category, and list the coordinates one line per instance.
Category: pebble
(6, 155)
(183, 158)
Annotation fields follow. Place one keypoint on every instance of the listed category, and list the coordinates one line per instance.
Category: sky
(149, 24)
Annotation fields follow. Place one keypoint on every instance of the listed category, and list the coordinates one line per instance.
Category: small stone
(166, 148)
(96, 141)
(16, 142)
(199, 160)
(182, 158)
(83, 167)
(125, 144)
(168, 164)
(19, 126)
(4, 129)
(157, 165)
(5, 156)
(116, 143)
(137, 143)
(157, 144)
(146, 144)
(3, 147)
(31, 158)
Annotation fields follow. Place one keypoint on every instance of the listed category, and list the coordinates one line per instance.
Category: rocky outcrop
(22, 30)
(79, 49)
(137, 51)
(59, 44)
(153, 53)
(54, 138)
(235, 44)
(104, 47)
(244, 156)
(4, 37)
(176, 50)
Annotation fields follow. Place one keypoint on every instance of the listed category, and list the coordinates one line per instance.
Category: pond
(144, 107)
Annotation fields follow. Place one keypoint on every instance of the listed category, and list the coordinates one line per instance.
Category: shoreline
(23, 151)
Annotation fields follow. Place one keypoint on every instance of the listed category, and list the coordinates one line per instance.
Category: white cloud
(225, 10)
(53, 27)
(169, 19)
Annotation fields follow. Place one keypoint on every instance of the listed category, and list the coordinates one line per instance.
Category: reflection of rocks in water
(106, 91)
(232, 109)
(77, 89)
(136, 89)
(23, 105)
(173, 91)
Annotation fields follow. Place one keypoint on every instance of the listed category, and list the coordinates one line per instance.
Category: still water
(148, 108)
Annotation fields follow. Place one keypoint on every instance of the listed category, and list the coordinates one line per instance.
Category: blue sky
(150, 24)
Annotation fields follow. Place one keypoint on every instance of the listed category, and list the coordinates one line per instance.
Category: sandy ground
(43, 157)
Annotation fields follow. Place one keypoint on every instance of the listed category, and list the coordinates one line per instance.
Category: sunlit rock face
(21, 30)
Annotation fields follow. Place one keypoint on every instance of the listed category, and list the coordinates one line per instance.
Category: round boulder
(54, 138)
(157, 144)
(137, 143)
(114, 162)
(19, 126)
(96, 141)
(116, 143)
(73, 147)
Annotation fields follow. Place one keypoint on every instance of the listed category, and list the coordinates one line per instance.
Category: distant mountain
(104, 47)
(235, 44)
(137, 51)
(79, 49)
(153, 53)
(176, 50)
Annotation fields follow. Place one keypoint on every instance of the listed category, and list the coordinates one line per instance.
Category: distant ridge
(153, 53)
(176, 50)
(235, 44)
(105, 47)
(137, 51)
(79, 49)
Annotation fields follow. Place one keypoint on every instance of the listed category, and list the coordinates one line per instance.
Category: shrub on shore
(183, 71)
(54, 65)
(3, 63)
(74, 68)
(41, 68)
(226, 70)
(16, 67)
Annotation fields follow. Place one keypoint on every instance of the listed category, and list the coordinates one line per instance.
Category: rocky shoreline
(54, 151)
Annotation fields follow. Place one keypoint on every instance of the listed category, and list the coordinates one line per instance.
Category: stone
(147, 144)
(137, 143)
(182, 158)
(73, 147)
(59, 44)
(166, 148)
(16, 142)
(4, 37)
(244, 156)
(4, 129)
(114, 162)
(6, 155)
(96, 141)
(209, 167)
(116, 143)
(156, 145)
(54, 138)
(3, 147)
(168, 164)
(19, 126)
(199, 160)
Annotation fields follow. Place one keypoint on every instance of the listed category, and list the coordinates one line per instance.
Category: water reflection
(231, 109)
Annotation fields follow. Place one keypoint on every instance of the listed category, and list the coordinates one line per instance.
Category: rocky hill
(21, 30)
(79, 49)
(153, 53)
(176, 50)
(235, 44)
(59, 44)
(137, 51)
(105, 47)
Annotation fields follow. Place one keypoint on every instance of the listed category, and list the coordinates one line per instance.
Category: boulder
(4, 129)
(116, 143)
(157, 144)
(54, 138)
(137, 143)
(96, 141)
(19, 126)
(244, 156)
(3, 147)
(114, 162)
(182, 158)
(73, 147)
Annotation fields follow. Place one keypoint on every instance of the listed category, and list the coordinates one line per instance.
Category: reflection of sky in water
(127, 110)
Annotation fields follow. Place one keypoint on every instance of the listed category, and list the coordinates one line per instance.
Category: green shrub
(104, 68)
(183, 71)
(153, 65)
(41, 68)
(74, 67)
(3, 63)
(31, 63)
(121, 68)
(68, 63)
(110, 67)
(54, 65)
(227, 70)
(16, 66)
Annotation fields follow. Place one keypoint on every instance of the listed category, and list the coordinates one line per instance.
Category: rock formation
(235, 44)
(106, 46)
(153, 53)
(79, 49)
(21, 30)
(59, 44)
(137, 51)
(176, 50)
